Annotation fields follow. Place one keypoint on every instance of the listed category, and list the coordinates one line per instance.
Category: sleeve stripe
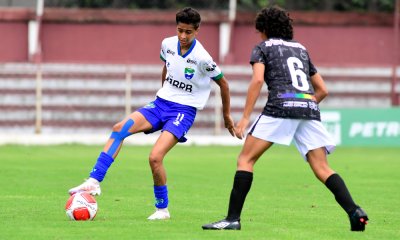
(218, 77)
(162, 58)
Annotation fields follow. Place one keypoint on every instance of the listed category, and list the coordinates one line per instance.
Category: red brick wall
(114, 43)
(118, 36)
(13, 42)
(329, 45)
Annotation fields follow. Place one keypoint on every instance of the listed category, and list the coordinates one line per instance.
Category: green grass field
(286, 200)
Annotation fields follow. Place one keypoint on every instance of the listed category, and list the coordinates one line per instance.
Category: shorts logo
(171, 52)
(150, 105)
(189, 73)
(177, 120)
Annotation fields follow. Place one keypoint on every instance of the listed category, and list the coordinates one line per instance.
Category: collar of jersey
(189, 51)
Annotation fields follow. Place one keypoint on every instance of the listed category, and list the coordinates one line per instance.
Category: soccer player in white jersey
(295, 88)
(185, 89)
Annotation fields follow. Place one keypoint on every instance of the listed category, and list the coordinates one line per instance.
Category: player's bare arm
(164, 74)
(224, 86)
(252, 95)
(319, 87)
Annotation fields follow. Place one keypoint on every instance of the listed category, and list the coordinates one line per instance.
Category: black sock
(241, 187)
(342, 195)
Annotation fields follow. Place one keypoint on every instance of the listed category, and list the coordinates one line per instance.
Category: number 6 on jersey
(294, 73)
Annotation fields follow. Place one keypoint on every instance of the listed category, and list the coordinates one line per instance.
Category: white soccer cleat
(161, 213)
(88, 186)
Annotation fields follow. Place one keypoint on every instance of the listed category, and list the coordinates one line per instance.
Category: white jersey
(188, 76)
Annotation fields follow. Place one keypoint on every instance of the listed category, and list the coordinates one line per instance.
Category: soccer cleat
(87, 186)
(223, 225)
(358, 219)
(161, 213)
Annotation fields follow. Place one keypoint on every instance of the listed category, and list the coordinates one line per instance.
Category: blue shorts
(166, 115)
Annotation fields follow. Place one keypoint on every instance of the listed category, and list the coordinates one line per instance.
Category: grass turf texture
(286, 201)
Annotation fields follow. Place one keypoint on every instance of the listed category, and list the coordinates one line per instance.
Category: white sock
(94, 181)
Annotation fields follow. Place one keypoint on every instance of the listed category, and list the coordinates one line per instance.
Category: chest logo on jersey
(191, 61)
(189, 73)
(171, 52)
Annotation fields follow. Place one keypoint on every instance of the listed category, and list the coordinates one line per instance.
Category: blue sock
(161, 194)
(103, 164)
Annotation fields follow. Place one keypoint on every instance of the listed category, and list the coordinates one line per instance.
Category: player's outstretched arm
(164, 74)
(319, 87)
(252, 95)
(226, 104)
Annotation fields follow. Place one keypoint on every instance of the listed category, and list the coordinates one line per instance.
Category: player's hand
(230, 125)
(241, 127)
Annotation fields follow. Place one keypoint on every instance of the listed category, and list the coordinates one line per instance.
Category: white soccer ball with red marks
(81, 207)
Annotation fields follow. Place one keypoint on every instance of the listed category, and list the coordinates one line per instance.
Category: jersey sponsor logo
(180, 85)
(271, 42)
(295, 104)
(191, 61)
(313, 106)
(189, 73)
(171, 52)
(211, 66)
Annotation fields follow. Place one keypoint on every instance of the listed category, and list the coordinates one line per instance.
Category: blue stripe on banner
(119, 136)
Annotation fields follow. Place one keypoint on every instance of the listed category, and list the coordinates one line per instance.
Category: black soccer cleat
(358, 219)
(223, 225)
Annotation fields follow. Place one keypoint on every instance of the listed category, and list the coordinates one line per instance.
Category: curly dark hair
(188, 15)
(276, 22)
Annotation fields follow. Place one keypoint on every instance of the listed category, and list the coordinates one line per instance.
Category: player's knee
(155, 160)
(244, 160)
(117, 127)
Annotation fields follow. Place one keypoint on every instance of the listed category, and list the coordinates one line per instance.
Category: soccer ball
(81, 206)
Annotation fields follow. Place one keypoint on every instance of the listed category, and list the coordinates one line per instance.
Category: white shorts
(306, 134)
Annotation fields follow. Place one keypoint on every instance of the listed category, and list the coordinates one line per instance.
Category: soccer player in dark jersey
(291, 113)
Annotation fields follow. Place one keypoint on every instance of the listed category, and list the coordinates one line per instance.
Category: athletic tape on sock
(119, 136)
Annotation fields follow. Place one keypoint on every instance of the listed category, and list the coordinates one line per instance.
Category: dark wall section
(112, 43)
(13, 42)
(347, 45)
(119, 36)
(333, 46)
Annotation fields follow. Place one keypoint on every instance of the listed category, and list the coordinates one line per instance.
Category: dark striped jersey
(288, 68)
